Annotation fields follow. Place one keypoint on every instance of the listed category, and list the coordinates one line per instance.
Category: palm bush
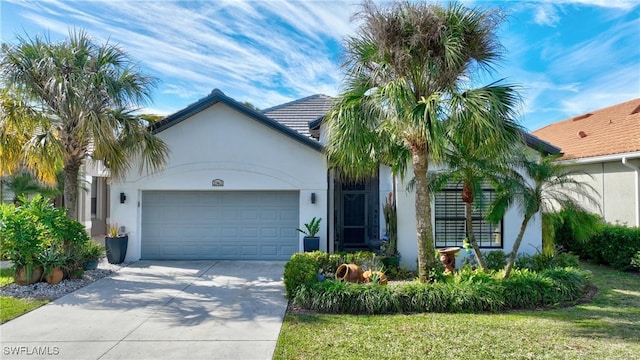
(552, 187)
(69, 102)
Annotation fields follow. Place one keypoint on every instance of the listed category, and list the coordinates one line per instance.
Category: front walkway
(159, 310)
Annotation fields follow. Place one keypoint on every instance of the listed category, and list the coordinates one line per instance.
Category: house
(605, 145)
(239, 182)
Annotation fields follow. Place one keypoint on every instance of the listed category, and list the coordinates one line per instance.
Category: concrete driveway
(159, 310)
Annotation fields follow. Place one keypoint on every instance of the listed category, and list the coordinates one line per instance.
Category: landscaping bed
(16, 300)
(310, 286)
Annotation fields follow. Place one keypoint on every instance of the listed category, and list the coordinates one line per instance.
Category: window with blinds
(450, 220)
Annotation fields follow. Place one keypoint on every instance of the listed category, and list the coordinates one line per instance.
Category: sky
(568, 57)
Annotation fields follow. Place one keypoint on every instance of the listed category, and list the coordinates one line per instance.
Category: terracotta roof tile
(612, 130)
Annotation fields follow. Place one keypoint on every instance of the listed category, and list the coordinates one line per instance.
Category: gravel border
(43, 290)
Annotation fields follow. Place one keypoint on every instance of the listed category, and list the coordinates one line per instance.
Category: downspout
(637, 186)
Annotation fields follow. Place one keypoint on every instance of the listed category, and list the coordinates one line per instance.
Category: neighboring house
(604, 144)
(239, 182)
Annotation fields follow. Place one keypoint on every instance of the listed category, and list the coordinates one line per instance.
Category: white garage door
(219, 225)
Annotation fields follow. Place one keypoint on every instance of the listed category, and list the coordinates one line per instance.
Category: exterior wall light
(123, 198)
(313, 198)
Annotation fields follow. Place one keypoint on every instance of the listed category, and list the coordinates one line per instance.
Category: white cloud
(611, 88)
(270, 52)
(616, 45)
(546, 14)
(613, 4)
(225, 44)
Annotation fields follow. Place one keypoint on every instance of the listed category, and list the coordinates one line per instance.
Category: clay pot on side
(349, 272)
(54, 276)
(24, 277)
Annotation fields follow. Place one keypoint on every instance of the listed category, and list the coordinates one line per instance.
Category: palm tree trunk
(472, 237)
(516, 246)
(426, 250)
(71, 172)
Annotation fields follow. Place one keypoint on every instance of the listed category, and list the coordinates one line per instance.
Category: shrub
(618, 245)
(299, 270)
(328, 263)
(347, 298)
(564, 259)
(22, 236)
(570, 284)
(612, 245)
(570, 229)
(527, 289)
(401, 273)
(35, 227)
(540, 261)
(467, 291)
(635, 261)
(524, 261)
(367, 260)
(495, 260)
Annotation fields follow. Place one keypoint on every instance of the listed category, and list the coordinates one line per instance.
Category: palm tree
(23, 184)
(480, 143)
(403, 71)
(476, 159)
(80, 97)
(17, 121)
(552, 186)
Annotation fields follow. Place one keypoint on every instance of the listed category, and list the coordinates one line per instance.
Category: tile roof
(305, 116)
(299, 113)
(612, 130)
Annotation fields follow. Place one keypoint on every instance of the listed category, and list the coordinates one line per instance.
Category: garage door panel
(219, 225)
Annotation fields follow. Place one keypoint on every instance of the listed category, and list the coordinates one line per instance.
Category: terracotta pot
(20, 276)
(349, 272)
(55, 276)
(382, 278)
(448, 258)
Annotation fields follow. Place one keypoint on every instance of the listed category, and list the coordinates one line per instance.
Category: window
(450, 220)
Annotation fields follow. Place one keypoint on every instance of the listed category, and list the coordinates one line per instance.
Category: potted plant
(311, 241)
(91, 255)
(391, 256)
(115, 244)
(54, 262)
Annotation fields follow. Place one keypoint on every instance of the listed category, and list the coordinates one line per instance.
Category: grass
(6, 276)
(606, 328)
(11, 308)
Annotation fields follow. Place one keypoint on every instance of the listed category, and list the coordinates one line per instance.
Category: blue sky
(569, 56)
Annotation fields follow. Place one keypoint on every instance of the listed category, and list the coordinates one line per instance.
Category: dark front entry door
(356, 214)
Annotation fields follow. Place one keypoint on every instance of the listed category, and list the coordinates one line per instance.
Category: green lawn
(606, 328)
(11, 308)
(6, 276)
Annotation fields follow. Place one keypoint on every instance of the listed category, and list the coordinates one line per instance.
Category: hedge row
(467, 291)
(612, 245)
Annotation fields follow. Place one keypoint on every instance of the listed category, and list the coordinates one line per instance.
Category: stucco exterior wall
(221, 143)
(615, 184)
